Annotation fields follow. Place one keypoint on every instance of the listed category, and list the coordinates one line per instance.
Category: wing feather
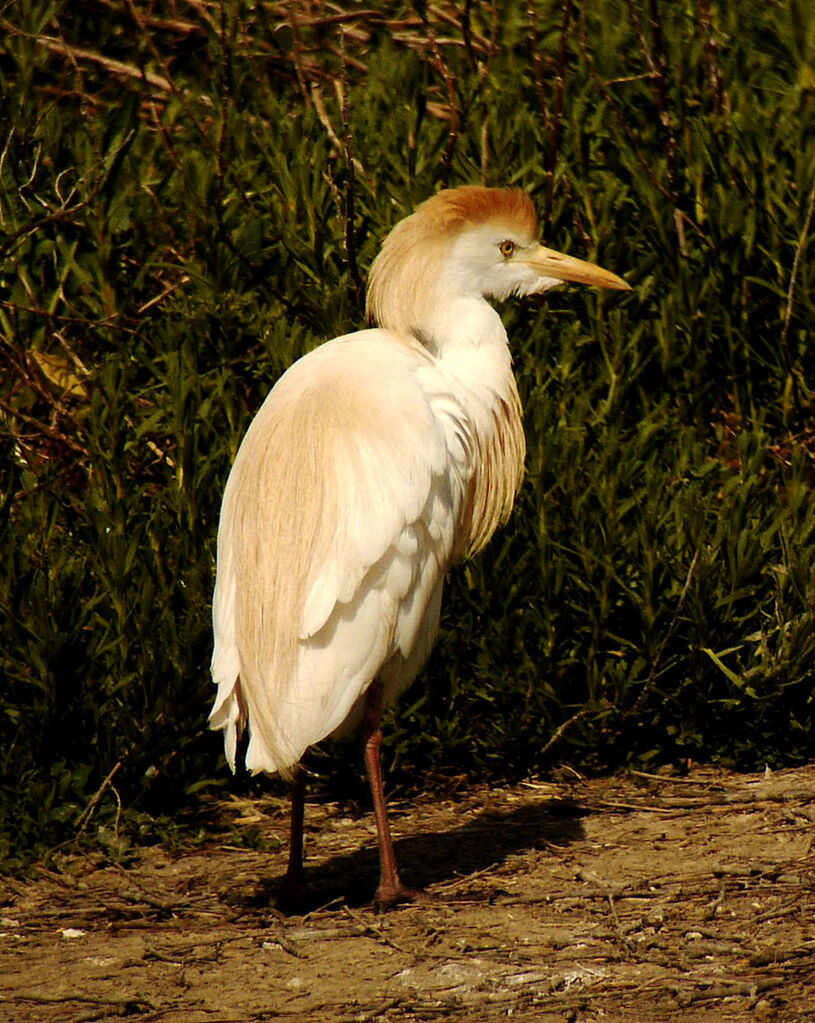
(338, 525)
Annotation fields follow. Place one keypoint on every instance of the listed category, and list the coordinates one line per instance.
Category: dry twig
(87, 813)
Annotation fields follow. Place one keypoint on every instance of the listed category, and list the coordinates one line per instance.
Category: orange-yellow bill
(549, 263)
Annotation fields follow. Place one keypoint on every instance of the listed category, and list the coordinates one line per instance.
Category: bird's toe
(390, 896)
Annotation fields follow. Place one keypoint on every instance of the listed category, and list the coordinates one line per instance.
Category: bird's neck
(462, 323)
(468, 344)
(467, 338)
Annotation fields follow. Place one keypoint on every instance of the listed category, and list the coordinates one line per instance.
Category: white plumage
(381, 509)
(375, 462)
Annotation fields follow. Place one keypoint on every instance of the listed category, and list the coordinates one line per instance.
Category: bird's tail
(234, 708)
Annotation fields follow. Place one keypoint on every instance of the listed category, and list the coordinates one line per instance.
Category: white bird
(377, 461)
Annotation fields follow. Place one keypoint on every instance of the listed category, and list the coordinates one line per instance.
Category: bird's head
(468, 241)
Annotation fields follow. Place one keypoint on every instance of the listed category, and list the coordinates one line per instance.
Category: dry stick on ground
(670, 779)
(376, 932)
(621, 935)
(687, 996)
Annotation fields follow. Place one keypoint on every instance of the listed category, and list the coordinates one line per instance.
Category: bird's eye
(507, 249)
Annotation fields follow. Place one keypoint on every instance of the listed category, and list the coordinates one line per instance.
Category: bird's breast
(476, 400)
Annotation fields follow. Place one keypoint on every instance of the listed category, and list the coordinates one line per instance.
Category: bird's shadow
(431, 857)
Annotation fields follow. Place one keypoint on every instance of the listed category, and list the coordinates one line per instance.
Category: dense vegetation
(190, 195)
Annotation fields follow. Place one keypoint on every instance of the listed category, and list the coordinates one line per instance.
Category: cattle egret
(377, 461)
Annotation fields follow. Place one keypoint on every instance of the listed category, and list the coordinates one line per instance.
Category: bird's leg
(294, 883)
(391, 890)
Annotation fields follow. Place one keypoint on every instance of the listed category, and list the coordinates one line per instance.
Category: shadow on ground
(427, 858)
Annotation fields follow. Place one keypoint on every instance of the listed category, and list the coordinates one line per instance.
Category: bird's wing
(343, 507)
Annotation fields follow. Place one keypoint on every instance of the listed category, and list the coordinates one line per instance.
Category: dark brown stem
(350, 181)
(663, 99)
(44, 428)
(223, 120)
(628, 134)
(537, 65)
(556, 128)
(450, 83)
(466, 34)
(657, 62)
(721, 101)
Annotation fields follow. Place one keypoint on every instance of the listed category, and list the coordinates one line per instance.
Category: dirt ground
(629, 898)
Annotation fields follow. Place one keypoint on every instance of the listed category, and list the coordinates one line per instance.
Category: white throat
(468, 345)
(463, 322)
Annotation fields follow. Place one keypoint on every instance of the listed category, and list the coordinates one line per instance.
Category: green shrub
(189, 202)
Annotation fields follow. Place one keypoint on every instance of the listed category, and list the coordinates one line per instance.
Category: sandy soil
(638, 898)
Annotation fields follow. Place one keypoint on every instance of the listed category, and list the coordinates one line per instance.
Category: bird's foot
(388, 896)
(294, 896)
